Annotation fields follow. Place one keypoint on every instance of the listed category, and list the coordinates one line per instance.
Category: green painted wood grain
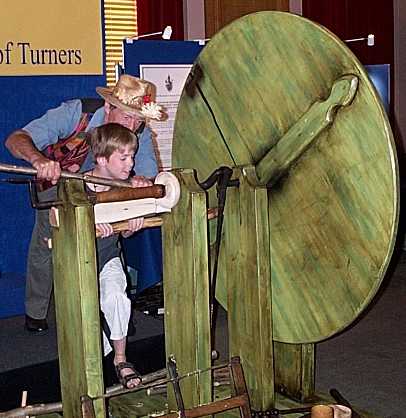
(186, 290)
(295, 370)
(137, 404)
(249, 289)
(76, 301)
(333, 217)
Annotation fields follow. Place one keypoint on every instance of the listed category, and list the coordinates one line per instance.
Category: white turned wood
(120, 211)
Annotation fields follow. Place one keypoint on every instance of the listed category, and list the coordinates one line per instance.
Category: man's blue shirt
(60, 122)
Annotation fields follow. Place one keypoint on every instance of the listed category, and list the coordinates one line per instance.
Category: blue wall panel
(23, 99)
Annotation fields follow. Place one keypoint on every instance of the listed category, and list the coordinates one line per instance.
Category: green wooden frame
(76, 301)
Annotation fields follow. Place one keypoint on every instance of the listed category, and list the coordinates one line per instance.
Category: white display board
(169, 81)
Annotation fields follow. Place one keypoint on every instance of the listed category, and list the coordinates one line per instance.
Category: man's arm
(21, 146)
(28, 142)
(145, 159)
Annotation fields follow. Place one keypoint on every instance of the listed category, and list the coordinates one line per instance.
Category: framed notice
(167, 65)
(169, 81)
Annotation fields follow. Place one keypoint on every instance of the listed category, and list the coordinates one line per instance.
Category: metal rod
(149, 34)
(173, 374)
(370, 39)
(8, 168)
(356, 39)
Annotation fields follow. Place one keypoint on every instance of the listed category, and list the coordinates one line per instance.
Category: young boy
(114, 147)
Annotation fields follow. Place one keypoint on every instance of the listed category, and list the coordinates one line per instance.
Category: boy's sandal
(131, 376)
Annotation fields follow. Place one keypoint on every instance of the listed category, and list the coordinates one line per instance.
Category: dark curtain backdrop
(350, 19)
(154, 15)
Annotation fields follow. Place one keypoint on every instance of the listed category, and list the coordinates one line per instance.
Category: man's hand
(105, 230)
(134, 225)
(140, 181)
(20, 145)
(47, 169)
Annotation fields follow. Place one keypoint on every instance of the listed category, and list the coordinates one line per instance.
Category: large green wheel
(334, 214)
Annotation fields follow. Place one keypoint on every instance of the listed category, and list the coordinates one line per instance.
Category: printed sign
(50, 37)
(169, 81)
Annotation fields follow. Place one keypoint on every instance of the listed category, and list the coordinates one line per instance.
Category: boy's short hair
(106, 139)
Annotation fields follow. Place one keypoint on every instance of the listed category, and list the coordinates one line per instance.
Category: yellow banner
(50, 37)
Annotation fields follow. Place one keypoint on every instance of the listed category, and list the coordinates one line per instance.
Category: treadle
(151, 403)
(141, 405)
(138, 404)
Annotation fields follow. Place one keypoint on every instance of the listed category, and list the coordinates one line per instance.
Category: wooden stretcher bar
(152, 222)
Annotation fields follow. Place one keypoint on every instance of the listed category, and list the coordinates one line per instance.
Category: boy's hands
(105, 230)
(134, 225)
(140, 181)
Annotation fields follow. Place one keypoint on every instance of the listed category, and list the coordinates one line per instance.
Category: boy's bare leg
(120, 357)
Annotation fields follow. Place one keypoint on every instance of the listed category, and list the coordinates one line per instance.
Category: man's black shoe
(37, 326)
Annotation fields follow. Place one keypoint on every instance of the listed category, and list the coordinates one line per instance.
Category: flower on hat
(146, 99)
(152, 110)
(132, 94)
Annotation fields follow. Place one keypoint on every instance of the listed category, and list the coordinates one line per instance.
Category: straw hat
(133, 95)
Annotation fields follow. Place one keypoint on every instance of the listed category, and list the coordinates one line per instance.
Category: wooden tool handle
(7, 168)
(152, 222)
(123, 225)
(122, 193)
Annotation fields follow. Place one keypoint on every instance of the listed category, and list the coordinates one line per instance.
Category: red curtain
(350, 19)
(155, 15)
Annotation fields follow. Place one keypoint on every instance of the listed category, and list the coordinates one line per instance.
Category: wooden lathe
(309, 224)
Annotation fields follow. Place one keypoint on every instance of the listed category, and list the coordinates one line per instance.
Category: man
(56, 141)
